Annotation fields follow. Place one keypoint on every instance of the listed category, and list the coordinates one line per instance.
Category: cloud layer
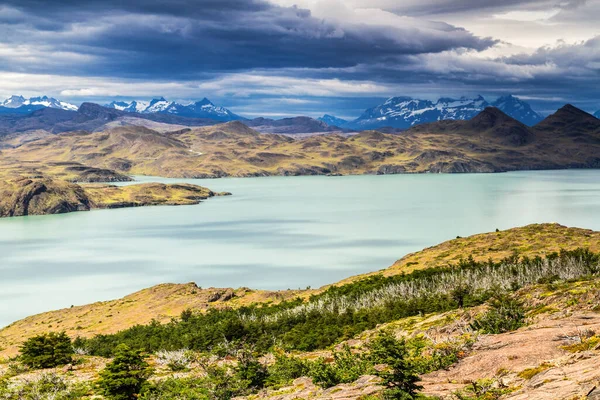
(322, 49)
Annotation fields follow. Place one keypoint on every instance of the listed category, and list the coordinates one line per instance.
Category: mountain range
(21, 105)
(392, 116)
(404, 112)
(199, 109)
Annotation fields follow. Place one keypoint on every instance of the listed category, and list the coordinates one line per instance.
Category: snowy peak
(404, 112)
(21, 104)
(332, 120)
(204, 103)
(200, 109)
(597, 114)
(13, 102)
(518, 109)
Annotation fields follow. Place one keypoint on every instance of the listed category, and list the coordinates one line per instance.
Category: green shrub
(346, 367)
(48, 350)
(124, 377)
(504, 315)
(286, 369)
(177, 389)
(483, 389)
(222, 384)
(249, 370)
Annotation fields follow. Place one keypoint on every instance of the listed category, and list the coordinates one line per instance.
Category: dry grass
(531, 240)
(160, 303)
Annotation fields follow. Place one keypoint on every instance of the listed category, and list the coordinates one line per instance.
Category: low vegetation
(342, 312)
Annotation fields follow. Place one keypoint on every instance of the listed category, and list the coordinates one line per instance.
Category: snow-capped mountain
(597, 114)
(518, 109)
(19, 104)
(404, 112)
(200, 109)
(134, 106)
(332, 120)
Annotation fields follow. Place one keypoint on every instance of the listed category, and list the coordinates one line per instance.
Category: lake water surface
(273, 233)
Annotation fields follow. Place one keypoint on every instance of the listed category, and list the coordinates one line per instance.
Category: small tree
(47, 350)
(249, 369)
(124, 377)
(399, 376)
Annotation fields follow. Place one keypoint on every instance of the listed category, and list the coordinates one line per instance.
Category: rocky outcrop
(38, 196)
(533, 361)
(304, 388)
(455, 167)
(391, 169)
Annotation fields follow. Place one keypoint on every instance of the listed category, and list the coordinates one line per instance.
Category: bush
(46, 386)
(249, 370)
(483, 389)
(286, 369)
(176, 360)
(346, 367)
(177, 389)
(125, 376)
(505, 315)
(48, 350)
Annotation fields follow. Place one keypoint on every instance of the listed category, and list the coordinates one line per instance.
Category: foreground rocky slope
(490, 142)
(552, 356)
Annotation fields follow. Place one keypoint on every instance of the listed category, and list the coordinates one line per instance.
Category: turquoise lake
(273, 233)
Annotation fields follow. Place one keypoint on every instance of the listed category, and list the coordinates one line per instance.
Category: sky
(277, 58)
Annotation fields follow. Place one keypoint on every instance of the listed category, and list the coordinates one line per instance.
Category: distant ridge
(292, 125)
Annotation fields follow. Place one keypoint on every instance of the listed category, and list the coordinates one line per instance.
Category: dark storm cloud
(183, 39)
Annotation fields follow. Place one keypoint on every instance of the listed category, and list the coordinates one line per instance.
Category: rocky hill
(490, 142)
(34, 188)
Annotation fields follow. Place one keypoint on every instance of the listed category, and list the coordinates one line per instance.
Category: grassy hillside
(160, 303)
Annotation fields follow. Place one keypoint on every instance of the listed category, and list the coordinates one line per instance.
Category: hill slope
(490, 142)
